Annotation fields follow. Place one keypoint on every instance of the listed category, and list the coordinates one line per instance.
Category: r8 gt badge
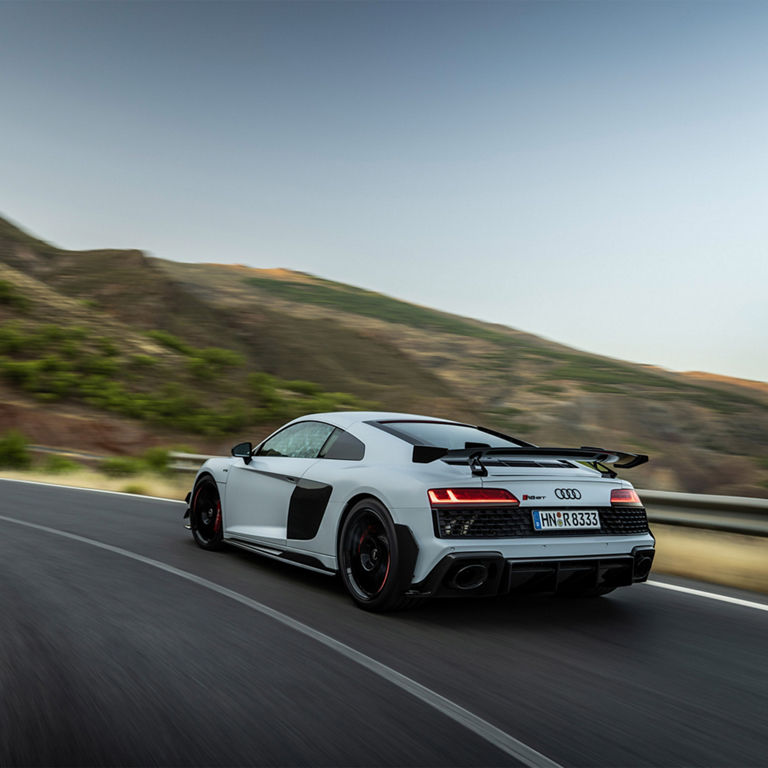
(567, 493)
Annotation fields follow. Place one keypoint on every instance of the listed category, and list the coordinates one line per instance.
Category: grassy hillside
(594, 374)
(226, 351)
(64, 343)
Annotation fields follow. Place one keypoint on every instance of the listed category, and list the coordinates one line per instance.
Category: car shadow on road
(616, 609)
(530, 611)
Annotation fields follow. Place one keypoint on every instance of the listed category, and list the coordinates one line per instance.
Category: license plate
(565, 519)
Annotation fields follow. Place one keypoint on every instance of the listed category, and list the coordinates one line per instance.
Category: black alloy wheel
(205, 515)
(369, 559)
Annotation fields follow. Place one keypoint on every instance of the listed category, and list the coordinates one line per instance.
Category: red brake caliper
(217, 522)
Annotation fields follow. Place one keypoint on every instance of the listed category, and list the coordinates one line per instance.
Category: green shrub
(69, 348)
(171, 342)
(143, 361)
(98, 366)
(261, 383)
(156, 459)
(222, 358)
(303, 387)
(121, 466)
(201, 369)
(13, 450)
(12, 339)
(55, 464)
(62, 383)
(46, 397)
(263, 386)
(11, 297)
(52, 363)
(51, 333)
(107, 347)
(21, 373)
(233, 416)
(134, 488)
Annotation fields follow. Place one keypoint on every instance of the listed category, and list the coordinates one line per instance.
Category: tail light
(471, 496)
(625, 497)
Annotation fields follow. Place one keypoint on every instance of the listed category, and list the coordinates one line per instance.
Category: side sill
(307, 562)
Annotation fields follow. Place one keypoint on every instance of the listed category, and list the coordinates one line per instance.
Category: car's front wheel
(370, 562)
(205, 515)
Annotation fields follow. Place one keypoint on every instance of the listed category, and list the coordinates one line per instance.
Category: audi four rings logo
(567, 493)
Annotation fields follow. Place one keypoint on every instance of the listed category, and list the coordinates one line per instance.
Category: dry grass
(145, 484)
(722, 558)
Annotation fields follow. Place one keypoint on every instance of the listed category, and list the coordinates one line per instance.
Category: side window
(342, 445)
(300, 441)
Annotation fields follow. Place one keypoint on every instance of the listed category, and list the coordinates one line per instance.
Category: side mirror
(243, 451)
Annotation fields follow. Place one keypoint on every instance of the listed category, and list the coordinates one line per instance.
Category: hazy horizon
(592, 173)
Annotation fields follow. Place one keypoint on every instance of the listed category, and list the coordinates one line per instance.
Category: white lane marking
(495, 736)
(710, 595)
(93, 490)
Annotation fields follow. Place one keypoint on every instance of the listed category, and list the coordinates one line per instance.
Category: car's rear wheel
(205, 515)
(370, 560)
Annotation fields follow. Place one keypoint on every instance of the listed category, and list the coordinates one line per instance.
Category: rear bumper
(485, 574)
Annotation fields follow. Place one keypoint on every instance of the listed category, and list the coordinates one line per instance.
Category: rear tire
(370, 561)
(205, 515)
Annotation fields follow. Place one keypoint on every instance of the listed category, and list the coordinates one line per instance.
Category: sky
(592, 172)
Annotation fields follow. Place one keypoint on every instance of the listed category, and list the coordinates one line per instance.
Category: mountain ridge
(344, 346)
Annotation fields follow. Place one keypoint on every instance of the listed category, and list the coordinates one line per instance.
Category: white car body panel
(255, 504)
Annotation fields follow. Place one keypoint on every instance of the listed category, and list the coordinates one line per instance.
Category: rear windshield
(444, 434)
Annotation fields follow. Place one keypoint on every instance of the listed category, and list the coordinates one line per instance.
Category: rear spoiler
(597, 457)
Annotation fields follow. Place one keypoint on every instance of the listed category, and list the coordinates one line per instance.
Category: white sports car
(407, 507)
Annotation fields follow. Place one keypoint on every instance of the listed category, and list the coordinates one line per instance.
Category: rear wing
(597, 457)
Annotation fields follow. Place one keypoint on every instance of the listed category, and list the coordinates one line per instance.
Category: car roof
(346, 419)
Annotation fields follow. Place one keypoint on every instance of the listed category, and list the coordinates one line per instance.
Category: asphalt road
(107, 659)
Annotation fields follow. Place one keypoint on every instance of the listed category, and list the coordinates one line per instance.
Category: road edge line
(93, 490)
(709, 595)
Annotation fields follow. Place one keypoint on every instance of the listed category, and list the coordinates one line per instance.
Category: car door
(258, 493)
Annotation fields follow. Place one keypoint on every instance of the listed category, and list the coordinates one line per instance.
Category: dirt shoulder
(144, 484)
(721, 558)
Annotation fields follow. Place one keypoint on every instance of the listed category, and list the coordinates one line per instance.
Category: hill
(121, 349)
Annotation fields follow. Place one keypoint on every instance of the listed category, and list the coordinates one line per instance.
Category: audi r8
(405, 507)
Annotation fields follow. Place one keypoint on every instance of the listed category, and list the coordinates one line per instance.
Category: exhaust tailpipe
(469, 577)
(643, 567)
(643, 563)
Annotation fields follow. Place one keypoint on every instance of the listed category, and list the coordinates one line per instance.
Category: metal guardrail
(188, 462)
(733, 514)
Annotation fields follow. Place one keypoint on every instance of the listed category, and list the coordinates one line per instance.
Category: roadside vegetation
(148, 474)
(14, 453)
(209, 391)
